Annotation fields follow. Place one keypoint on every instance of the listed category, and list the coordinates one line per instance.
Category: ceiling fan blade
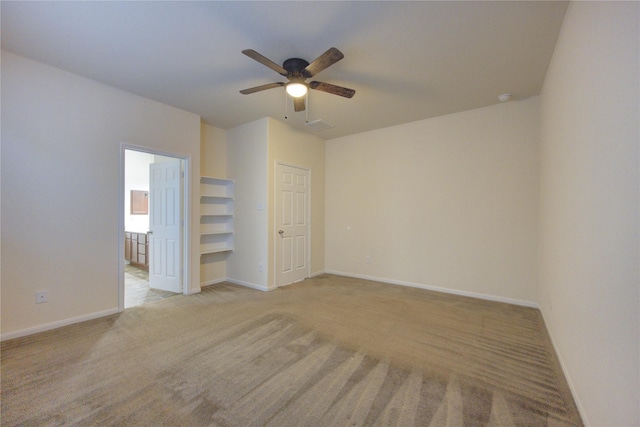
(325, 60)
(265, 61)
(298, 103)
(262, 87)
(333, 89)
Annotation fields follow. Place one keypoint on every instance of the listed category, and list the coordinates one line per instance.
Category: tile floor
(136, 288)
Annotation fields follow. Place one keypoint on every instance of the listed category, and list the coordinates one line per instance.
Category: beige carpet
(330, 351)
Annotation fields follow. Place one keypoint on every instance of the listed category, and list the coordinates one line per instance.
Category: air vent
(319, 125)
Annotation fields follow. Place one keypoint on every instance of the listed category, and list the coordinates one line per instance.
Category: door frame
(185, 266)
(275, 219)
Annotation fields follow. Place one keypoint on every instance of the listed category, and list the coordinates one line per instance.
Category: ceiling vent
(319, 125)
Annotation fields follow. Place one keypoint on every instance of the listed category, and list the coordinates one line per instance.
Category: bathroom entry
(153, 237)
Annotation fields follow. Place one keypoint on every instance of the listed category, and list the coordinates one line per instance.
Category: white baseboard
(253, 285)
(583, 415)
(57, 324)
(213, 282)
(72, 320)
(249, 284)
(438, 289)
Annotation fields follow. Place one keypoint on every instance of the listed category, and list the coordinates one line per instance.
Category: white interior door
(164, 226)
(292, 224)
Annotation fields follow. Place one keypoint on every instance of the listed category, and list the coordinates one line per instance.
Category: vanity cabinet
(136, 249)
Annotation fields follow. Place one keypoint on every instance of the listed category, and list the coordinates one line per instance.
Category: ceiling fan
(297, 71)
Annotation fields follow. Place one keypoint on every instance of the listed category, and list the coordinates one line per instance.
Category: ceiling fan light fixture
(296, 89)
(297, 71)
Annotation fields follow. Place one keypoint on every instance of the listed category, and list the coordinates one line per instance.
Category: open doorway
(152, 224)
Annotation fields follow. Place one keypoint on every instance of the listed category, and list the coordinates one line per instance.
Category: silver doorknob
(281, 232)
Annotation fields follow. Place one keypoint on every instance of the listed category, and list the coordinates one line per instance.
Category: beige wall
(452, 203)
(589, 233)
(213, 163)
(252, 152)
(296, 148)
(247, 148)
(213, 151)
(61, 142)
(447, 203)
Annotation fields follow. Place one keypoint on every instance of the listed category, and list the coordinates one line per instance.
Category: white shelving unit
(216, 215)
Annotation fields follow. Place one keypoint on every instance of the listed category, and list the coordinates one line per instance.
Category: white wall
(247, 166)
(293, 147)
(589, 233)
(449, 202)
(61, 139)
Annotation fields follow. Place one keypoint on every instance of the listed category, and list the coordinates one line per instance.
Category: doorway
(152, 227)
(292, 216)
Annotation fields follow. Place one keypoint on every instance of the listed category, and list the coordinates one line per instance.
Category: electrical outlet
(260, 267)
(367, 260)
(41, 296)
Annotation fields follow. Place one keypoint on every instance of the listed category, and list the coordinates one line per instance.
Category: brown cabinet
(136, 249)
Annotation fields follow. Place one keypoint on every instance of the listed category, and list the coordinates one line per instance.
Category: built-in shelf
(203, 233)
(216, 215)
(207, 251)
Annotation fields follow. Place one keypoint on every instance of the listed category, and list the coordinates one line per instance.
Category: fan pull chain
(306, 110)
(286, 105)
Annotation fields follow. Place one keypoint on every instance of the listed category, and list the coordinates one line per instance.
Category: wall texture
(589, 234)
(61, 139)
(449, 202)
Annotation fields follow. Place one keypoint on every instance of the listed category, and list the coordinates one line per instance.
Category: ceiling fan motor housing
(295, 67)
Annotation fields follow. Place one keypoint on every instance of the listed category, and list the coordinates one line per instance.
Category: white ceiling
(407, 61)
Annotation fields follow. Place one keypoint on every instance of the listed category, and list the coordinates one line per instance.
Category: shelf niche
(216, 215)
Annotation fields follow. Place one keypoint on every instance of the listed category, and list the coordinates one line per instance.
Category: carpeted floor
(329, 351)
